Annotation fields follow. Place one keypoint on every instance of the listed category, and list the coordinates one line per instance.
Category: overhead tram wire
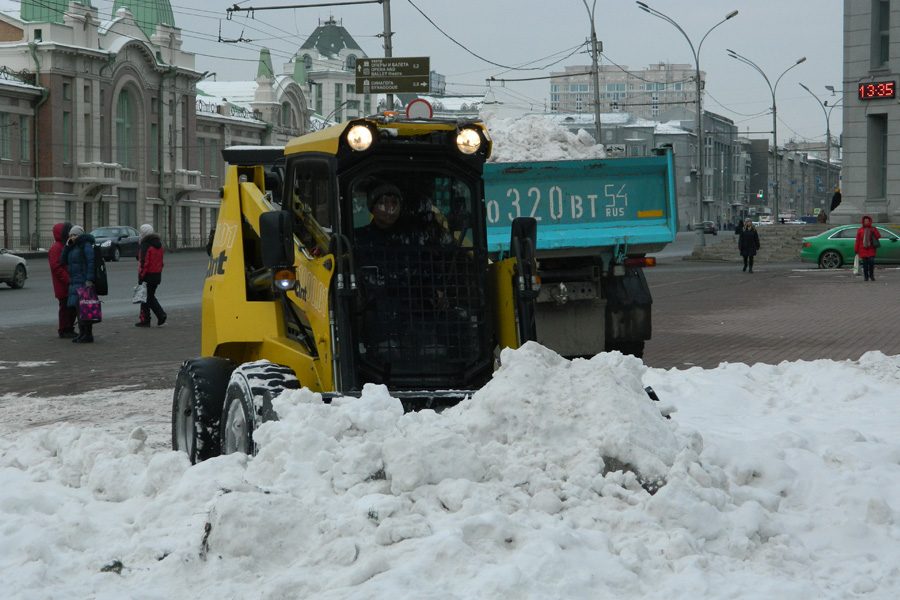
(461, 45)
(187, 33)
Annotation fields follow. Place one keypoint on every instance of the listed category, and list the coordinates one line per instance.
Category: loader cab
(410, 286)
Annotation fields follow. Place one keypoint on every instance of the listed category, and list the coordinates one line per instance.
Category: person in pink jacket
(866, 247)
(60, 275)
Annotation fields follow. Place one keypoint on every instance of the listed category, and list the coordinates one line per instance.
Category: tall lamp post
(699, 85)
(772, 89)
(595, 68)
(826, 110)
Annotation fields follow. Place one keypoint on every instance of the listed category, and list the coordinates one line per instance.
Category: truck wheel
(197, 407)
(248, 402)
(632, 348)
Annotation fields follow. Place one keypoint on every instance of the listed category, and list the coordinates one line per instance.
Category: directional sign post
(396, 75)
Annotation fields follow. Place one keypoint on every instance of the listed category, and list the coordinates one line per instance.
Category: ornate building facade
(101, 123)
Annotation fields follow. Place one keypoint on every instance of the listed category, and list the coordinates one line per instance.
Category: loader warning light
(285, 279)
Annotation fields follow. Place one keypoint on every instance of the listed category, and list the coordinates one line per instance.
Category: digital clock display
(877, 89)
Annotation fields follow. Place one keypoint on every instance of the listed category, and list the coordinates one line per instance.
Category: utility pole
(596, 48)
(388, 48)
(701, 138)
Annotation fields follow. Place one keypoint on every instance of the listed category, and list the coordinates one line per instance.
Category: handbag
(89, 305)
(139, 294)
(856, 265)
(875, 242)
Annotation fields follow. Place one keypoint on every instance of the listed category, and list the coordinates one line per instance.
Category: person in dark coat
(866, 246)
(748, 244)
(60, 275)
(150, 266)
(835, 200)
(78, 257)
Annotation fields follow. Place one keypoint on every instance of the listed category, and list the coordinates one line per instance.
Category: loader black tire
(197, 407)
(241, 415)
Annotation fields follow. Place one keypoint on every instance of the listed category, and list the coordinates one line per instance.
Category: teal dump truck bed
(581, 204)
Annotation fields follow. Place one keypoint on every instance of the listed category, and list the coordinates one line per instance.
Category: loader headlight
(359, 137)
(468, 141)
(285, 279)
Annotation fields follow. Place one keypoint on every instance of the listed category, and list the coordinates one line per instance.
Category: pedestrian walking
(835, 199)
(748, 244)
(866, 246)
(59, 273)
(78, 257)
(150, 266)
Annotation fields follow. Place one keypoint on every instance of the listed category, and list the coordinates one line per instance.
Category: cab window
(311, 200)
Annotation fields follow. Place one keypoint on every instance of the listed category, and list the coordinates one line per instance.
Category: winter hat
(146, 229)
(76, 230)
(385, 189)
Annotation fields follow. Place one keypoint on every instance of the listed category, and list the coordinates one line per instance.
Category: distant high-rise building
(646, 93)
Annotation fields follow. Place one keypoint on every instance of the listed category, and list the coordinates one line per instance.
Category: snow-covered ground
(774, 482)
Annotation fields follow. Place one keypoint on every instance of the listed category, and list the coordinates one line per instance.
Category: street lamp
(595, 69)
(826, 110)
(772, 89)
(699, 85)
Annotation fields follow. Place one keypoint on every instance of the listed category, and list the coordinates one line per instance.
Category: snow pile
(536, 138)
(790, 493)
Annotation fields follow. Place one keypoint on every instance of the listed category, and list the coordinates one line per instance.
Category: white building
(871, 153)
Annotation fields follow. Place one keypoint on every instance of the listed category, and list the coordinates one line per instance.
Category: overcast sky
(537, 33)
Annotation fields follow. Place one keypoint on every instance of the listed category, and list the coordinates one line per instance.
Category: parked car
(834, 248)
(13, 269)
(117, 241)
(706, 227)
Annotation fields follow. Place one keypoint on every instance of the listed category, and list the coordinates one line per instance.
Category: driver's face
(386, 210)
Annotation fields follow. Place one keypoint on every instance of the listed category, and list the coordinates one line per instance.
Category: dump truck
(305, 287)
(600, 222)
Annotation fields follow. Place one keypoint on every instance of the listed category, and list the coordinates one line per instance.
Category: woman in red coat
(866, 246)
(60, 275)
(150, 266)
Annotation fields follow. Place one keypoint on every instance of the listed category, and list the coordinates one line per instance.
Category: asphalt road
(704, 314)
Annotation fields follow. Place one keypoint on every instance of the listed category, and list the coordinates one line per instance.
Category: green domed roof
(147, 13)
(47, 11)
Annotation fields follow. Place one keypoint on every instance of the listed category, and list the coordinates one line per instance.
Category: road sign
(396, 75)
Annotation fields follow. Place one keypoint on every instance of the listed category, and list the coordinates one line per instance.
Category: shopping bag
(89, 305)
(856, 265)
(140, 293)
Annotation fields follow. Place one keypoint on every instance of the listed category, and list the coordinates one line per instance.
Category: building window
(103, 216)
(24, 138)
(307, 62)
(124, 130)
(338, 102)
(67, 137)
(154, 147)
(286, 115)
(5, 135)
(351, 62)
(877, 156)
(88, 137)
(25, 223)
(87, 93)
(186, 227)
(67, 91)
(127, 207)
(319, 98)
(71, 212)
(881, 32)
